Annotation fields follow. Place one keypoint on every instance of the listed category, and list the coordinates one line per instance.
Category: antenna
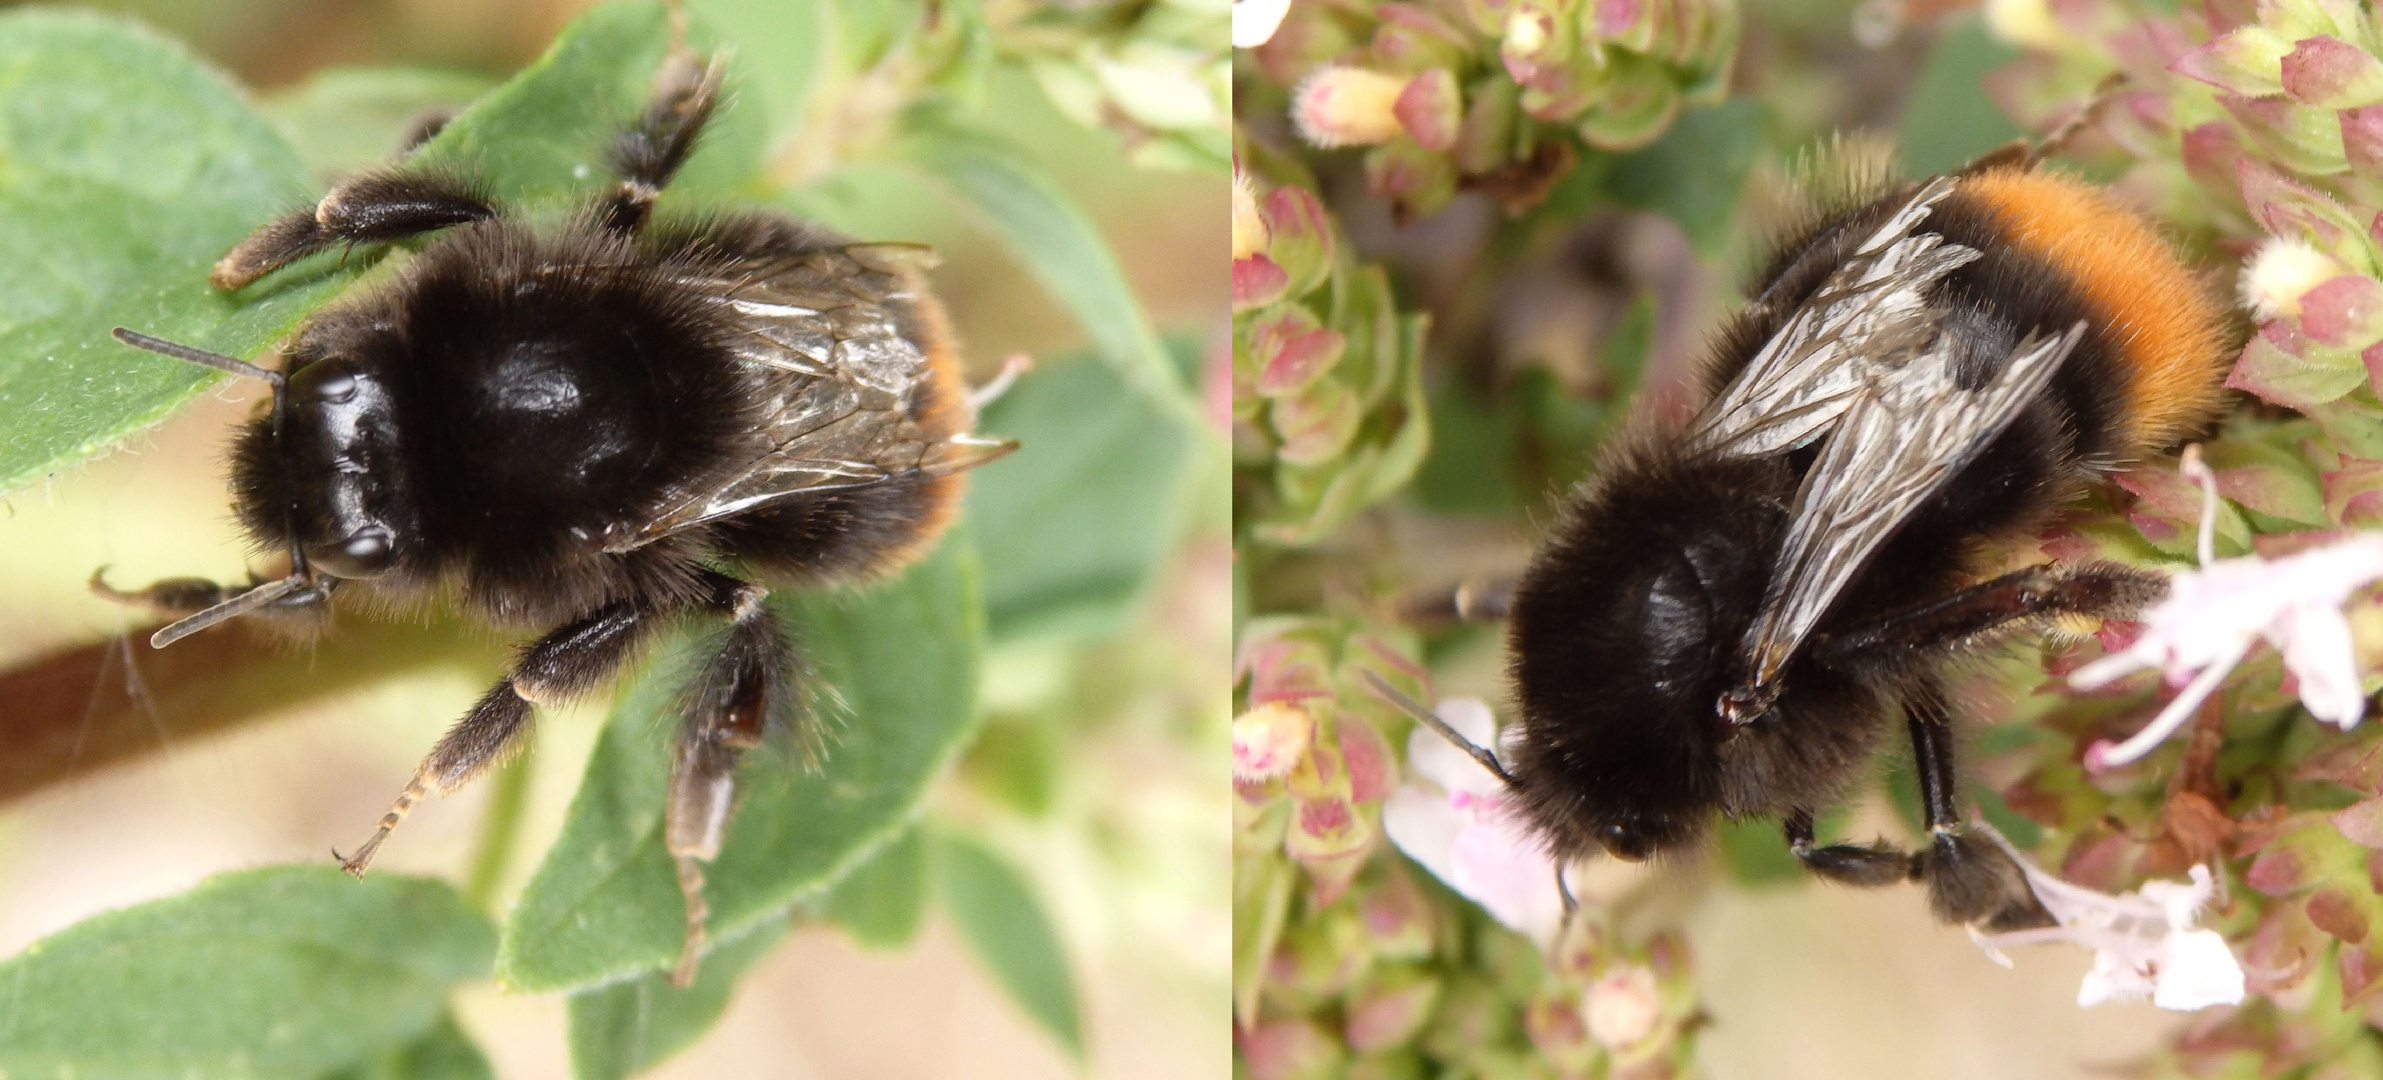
(1440, 727)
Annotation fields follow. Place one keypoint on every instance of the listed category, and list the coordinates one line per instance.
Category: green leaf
(1075, 525)
(130, 167)
(1695, 172)
(1948, 119)
(604, 904)
(347, 120)
(881, 903)
(781, 50)
(628, 1027)
(444, 1053)
(1057, 241)
(285, 971)
(545, 134)
(1005, 926)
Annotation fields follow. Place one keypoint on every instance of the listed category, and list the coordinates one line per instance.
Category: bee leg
(649, 153)
(1480, 598)
(365, 209)
(568, 661)
(1846, 864)
(2024, 154)
(2107, 590)
(1969, 878)
(728, 709)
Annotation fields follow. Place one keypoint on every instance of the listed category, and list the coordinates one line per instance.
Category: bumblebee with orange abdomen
(593, 431)
(1727, 618)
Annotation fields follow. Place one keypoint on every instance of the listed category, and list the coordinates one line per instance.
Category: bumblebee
(1729, 615)
(592, 432)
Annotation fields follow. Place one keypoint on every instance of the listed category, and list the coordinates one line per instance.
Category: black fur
(1625, 629)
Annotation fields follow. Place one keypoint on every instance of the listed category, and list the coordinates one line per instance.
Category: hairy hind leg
(742, 688)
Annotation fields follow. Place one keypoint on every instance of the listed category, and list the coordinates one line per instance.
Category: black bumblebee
(590, 432)
(1728, 615)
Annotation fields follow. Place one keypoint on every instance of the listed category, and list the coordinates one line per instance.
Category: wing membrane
(842, 380)
(1869, 317)
(1898, 440)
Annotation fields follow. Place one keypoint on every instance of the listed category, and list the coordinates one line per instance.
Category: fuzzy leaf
(289, 971)
(546, 133)
(1005, 926)
(604, 904)
(442, 1053)
(1074, 527)
(881, 903)
(625, 1028)
(130, 167)
(346, 120)
(1057, 241)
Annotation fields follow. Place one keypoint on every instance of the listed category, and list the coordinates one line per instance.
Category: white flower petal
(2112, 979)
(1423, 825)
(1501, 867)
(1254, 21)
(2316, 647)
(2197, 971)
(1433, 758)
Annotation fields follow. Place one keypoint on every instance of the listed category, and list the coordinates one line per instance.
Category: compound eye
(362, 554)
(327, 381)
(1624, 842)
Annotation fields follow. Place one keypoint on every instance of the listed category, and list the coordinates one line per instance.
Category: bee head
(1621, 637)
(322, 470)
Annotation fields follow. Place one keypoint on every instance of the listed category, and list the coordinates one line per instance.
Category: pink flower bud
(1301, 240)
(2248, 61)
(2330, 73)
(1291, 1049)
(2354, 493)
(1372, 771)
(1398, 920)
(1631, 24)
(2285, 207)
(1413, 38)
(1390, 1009)
(1623, 1008)
(1431, 108)
(1533, 40)
(1283, 668)
(1316, 424)
(2362, 139)
(1292, 350)
(2345, 311)
(1419, 181)
(1346, 106)
(1258, 282)
(2304, 139)
(1269, 740)
(2362, 824)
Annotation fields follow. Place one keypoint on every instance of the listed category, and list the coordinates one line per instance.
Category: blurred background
(1100, 772)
